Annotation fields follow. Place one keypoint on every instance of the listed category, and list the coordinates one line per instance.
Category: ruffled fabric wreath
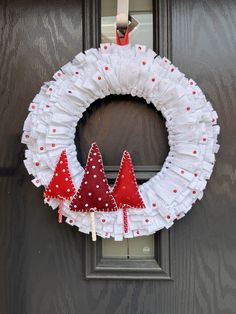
(190, 120)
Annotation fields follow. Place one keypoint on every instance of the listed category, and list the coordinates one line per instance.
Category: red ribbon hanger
(126, 37)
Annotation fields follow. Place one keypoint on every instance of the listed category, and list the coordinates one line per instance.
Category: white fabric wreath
(112, 69)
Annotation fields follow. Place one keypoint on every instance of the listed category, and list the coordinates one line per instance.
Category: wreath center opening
(123, 122)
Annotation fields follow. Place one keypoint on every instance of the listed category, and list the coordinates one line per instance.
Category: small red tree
(61, 185)
(94, 192)
(125, 190)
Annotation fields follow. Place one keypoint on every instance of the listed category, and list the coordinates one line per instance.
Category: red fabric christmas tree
(61, 186)
(125, 190)
(94, 193)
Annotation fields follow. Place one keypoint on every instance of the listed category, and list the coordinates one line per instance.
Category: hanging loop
(122, 13)
(122, 21)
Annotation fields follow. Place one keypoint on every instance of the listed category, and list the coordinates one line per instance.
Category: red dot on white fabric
(106, 68)
(194, 152)
(66, 179)
(37, 164)
(41, 148)
(57, 186)
(154, 205)
(168, 216)
(188, 108)
(146, 220)
(153, 79)
(174, 190)
(53, 145)
(54, 130)
(99, 78)
(144, 63)
(50, 89)
(137, 232)
(195, 174)
(103, 220)
(182, 171)
(194, 92)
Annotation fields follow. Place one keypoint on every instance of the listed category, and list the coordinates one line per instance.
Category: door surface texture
(42, 263)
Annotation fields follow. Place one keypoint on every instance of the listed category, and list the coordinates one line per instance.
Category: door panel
(41, 262)
(37, 257)
(123, 122)
(203, 45)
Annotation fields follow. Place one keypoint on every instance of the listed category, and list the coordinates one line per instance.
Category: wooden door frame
(91, 23)
(161, 23)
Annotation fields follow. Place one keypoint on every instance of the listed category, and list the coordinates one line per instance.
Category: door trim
(97, 267)
(91, 23)
(157, 268)
(162, 25)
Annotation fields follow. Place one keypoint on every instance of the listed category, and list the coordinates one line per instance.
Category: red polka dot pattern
(61, 185)
(94, 193)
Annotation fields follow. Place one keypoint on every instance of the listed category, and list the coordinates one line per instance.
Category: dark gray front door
(41, 262)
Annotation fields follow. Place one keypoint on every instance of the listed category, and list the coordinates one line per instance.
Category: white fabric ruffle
(112, 69)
